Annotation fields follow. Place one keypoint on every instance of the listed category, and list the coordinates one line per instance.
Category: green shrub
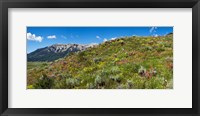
(169, 84)
(115, 70)
(142, 71)
(81, 56)
(100, 81)
(59, 82)
(116, 78)
(154, 83)
(30, 87)
(97, 60)
(43, 82)
(160, 49)
(90, 86)
(72, 83)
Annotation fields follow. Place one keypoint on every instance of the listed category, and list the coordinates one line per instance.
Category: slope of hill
(55, 52)
(123, 63)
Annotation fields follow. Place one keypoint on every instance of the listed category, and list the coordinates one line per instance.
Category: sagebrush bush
(72, 82)
(60, 82)
(100, 81)
(116, 78)
(43, 82)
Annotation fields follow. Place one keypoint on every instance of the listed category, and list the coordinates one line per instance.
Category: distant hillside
(55, 52)
(169, 34)
(124, 63)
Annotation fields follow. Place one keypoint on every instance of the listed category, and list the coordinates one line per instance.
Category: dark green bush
(43, 82)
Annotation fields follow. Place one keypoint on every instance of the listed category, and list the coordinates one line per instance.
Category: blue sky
(38, 37)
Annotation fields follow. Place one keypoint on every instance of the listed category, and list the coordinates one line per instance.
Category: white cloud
(64, 37)
(104, 40)
(156, 35)
(93, 43)
(51, 37)
(33, 37)
(98, 37)
(113, 38)
(152, 29)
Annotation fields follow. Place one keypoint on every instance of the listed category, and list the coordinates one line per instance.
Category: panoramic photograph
(100, 57)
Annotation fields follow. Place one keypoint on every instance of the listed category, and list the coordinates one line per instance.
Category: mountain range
(56, 51)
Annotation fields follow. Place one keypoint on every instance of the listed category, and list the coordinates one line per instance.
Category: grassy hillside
(123, 63)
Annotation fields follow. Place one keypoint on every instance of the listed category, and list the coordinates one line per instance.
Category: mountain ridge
(56, 51)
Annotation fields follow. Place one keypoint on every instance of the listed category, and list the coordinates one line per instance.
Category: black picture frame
(6, 4)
